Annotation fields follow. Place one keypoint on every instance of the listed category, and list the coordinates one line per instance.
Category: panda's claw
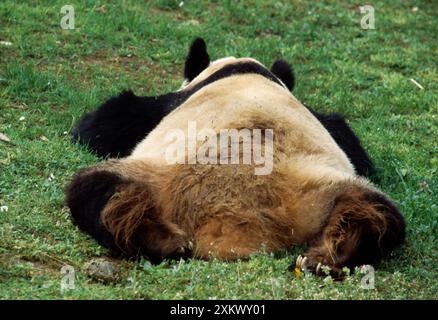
(298, 262)
(318, 268)
(304, 264)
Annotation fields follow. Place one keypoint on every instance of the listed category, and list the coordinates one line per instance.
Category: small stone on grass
(102, 269)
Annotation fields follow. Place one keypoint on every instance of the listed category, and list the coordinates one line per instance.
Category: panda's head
(198, 67)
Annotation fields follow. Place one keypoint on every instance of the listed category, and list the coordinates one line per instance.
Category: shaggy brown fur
(228, 213)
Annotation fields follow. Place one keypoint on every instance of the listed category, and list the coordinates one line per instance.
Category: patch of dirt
(39, 267)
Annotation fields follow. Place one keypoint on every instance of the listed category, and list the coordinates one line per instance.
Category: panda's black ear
(283, 70)
(197, 59)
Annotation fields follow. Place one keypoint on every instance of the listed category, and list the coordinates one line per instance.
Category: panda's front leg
(115, 128)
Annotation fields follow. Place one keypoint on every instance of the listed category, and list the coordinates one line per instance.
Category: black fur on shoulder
(347, 141)
(197, 59)
(234, 69)
(283, 70)
(86, 196)
(116, 127)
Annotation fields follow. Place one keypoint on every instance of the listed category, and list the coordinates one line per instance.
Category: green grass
(49, 77)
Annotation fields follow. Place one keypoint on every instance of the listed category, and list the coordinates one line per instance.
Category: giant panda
(137, 203)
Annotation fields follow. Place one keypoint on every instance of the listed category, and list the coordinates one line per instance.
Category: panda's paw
(305, 264)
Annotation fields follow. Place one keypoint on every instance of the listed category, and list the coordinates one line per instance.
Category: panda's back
(250, 101)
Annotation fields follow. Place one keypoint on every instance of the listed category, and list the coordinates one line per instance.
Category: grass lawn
(49, 77)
